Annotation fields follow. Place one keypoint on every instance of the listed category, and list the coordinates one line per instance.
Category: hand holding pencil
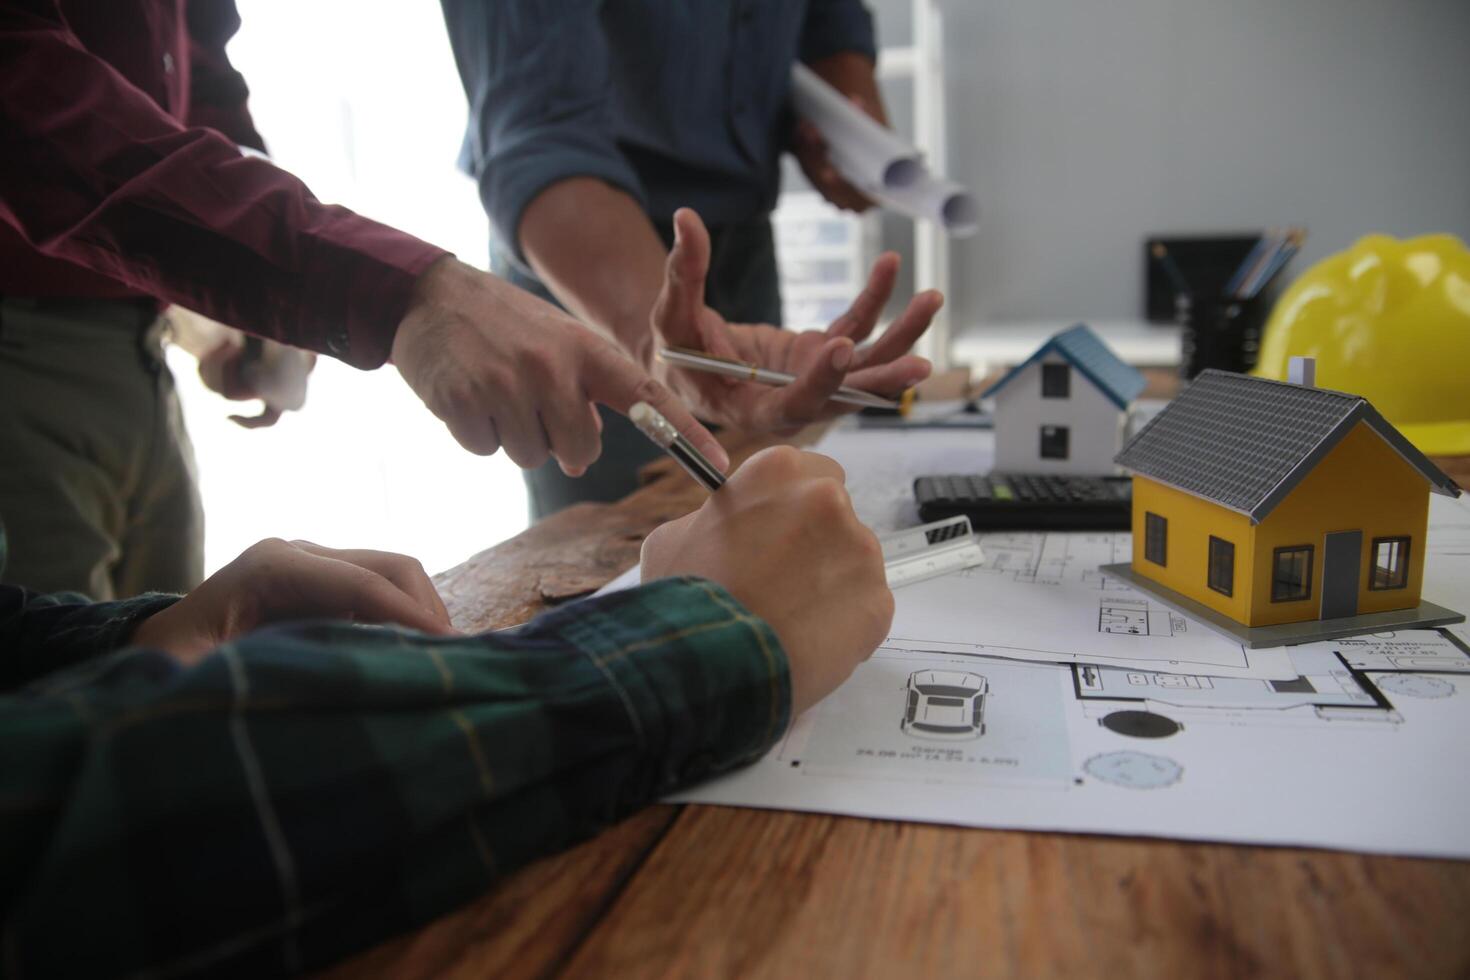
(820, 363)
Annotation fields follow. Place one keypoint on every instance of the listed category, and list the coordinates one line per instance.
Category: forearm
(852, 73)
(309, 790)
(595, 249)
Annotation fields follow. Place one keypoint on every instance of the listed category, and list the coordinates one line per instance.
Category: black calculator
(1028, 501)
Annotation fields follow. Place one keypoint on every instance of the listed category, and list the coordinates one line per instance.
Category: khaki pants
(97, 475)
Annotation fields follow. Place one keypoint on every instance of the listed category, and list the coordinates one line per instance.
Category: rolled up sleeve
(834, 26)
(537, 76)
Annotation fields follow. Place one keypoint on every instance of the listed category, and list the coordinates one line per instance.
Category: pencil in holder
(1220, 332)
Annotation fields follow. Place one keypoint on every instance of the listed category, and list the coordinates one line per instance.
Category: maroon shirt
(120, 177)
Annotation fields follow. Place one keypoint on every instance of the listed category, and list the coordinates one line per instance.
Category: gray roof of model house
(1245, 443)
(1086, 352)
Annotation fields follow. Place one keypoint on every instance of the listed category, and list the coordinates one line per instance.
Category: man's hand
(276, 581)
(243, 369)
(853, 75)
(504, 369)
(782, 537)
(822, 361)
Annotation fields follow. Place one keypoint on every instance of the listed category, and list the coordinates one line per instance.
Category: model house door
(1342, 560)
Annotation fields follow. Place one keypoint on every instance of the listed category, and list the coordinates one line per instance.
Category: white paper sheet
(1143, 728)
(1038, 596)
(1424, 650)
(1447, 558)
(1365, 761)
(1041, 597)
(881, 465)
(627, 580)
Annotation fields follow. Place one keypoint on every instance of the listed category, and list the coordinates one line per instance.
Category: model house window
(1056, 381)
(1054, 440)
(1390, 563)
(1155, 539)
(1222, 566)
(1291, 573)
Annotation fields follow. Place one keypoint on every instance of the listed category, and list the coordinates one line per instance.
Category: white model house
(1063, 410)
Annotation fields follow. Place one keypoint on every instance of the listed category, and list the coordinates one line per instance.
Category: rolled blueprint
(871, 156)
(941, 201)
(875, 160)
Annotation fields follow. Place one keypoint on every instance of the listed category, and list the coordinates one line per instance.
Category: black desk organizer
(1220, 329)
(1221, 332)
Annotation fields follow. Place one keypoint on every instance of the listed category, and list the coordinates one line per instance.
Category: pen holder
(1220, 332)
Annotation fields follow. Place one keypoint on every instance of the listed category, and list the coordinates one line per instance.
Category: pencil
(694, 360)
(1171, 269)
(652, 424)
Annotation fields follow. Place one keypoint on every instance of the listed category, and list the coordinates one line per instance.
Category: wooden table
(716, 891)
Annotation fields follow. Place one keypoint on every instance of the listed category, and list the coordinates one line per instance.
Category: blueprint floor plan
(1035, 692)
(1335, 756)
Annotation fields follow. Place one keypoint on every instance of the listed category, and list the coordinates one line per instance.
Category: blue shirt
(677, 103)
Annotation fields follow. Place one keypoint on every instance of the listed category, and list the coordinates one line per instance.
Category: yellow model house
(1271, 503)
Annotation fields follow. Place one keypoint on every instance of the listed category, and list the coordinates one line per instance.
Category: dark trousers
(743, 287)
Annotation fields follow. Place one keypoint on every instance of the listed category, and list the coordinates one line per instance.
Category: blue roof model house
(1064, 409)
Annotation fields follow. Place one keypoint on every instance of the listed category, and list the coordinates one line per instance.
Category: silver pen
(652, 424)
(694, 360)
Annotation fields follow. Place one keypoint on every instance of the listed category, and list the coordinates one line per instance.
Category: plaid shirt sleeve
(311, 789)
(40, 634)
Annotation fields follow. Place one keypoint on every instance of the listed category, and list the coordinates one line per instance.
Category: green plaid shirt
(311, 789)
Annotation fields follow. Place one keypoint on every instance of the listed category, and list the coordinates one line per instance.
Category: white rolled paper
(876, 161)
(870, 156)
(944, 202)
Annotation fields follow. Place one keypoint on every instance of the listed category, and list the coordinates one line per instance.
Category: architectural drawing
(945, 705)
(1141, 724)
(1074, 747)
(1417, 685)
(1134, 770)
(1323, 679)
(1135, 617)
(1018, 736)
(1040, 558)
(1337, 744)
(1423, 650)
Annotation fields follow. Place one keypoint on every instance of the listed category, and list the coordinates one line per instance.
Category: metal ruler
(928, 550)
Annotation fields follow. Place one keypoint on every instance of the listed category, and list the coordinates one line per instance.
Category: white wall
(1086, 125)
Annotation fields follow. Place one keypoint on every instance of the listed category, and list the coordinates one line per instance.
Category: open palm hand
(822, 361)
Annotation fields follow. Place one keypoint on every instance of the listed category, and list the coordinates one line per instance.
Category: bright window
(361, 101)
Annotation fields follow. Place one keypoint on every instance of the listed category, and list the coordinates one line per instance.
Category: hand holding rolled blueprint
(876, 161)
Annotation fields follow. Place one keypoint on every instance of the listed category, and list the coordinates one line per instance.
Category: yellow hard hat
(1388, 320)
